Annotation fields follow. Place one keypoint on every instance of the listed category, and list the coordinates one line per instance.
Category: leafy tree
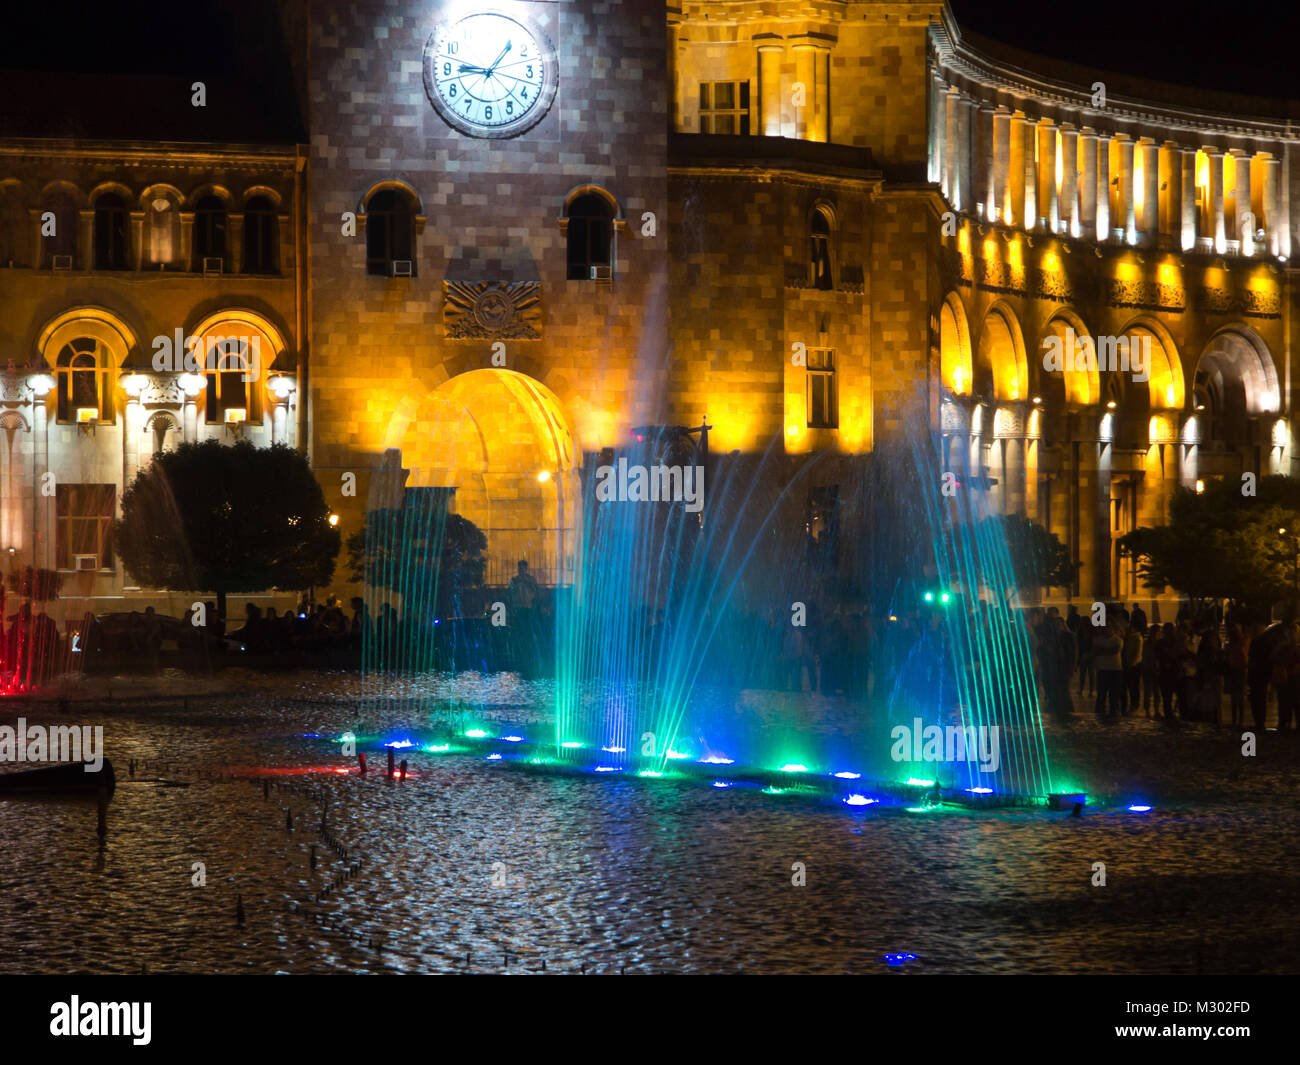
(412, 552)
(1221, 544)
(220, 519)
(1038, 558)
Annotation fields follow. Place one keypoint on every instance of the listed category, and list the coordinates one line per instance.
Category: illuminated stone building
(532, 228)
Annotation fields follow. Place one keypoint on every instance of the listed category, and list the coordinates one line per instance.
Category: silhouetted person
(524, 593)
(1107, 654)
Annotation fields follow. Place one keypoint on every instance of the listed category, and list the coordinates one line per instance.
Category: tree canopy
(1224, 544)
(1038, 558)
(216, 518)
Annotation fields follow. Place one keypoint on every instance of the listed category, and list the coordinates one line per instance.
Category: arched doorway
(501, 440)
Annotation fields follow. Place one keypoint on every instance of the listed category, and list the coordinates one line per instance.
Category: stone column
(1272, 188)
(1103, 188)
(769, 89)
(1149, 224)
(1047, 207)
(938, 122)
(805, 73)
(1029, 216)
(1069, 201)
(279, 420)
(952, 141)
(283, 260)
(986, 202)
(132, 426)
(1088, 191)
(674, 90)
(42, 548)
(1001, 197)
(1246, 221)
(1015, 212)
(965, 150)
(1170, 198)
(1127, 215)
(234, 244)
(1216, 199)
(1187, 192)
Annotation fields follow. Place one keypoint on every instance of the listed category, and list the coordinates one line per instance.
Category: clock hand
(498, 59)
(465, 68)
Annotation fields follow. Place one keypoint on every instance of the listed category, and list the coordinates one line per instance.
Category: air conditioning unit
(401, 268)
(87, 415)
(63, 262)
(602, 273)
(236, 415)
(85, 562)
(213, 265)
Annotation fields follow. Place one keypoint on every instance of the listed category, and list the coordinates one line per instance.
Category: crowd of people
(1202, 666)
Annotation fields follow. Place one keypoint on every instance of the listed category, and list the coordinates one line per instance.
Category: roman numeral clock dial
(489, 74)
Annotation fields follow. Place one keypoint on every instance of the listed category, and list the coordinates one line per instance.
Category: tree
(207, 517)
(41, 585)
(412, 552)
(1221, 544)
(1038, 558)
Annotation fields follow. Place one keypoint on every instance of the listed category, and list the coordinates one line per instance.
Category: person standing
(1107, 655)
(524, 594)
(1235, 659)
(1087, 669)
(1132, 661)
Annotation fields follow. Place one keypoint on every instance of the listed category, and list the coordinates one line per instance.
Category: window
(85, 383)
(390, 232)
(209, 231)
(59, 233)
(819, 252)
(724, 107)
(110, 232)
(590, 234)
(226, 365)
(823, 411)
(84, 524)
(15, 225)
(160, 224)
(260, 244)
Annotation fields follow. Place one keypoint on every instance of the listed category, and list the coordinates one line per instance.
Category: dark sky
(1235, 46)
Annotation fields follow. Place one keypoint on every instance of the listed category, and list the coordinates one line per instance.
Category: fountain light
(677, 754)
(717, 759)
(438, 748)
(1136, 809)
(613, 750)
(794, 767)
(347, 737)
(493, 757)
(849, 776)
(721, 784)
(572, 745)
(980, 791)
(476, 734)
(513, 739)
(858, 800)
(917, 782)
(334, 521)
(918, 809)
(898, 959)
(649, 773)
(606, 769)
(400, 745)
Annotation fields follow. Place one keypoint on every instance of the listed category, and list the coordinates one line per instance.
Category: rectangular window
(724, 107)
(84, 525)
(823, 409)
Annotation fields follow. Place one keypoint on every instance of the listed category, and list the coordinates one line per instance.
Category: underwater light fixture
(916, 782)
(513, 739)
(1138, 809)
(858, 800)
(721, 784)
(794, 767)
(439, 748)
(770, 790)
(849, 776)
(476, 734)
(400, 745)
(898, 959)
(572, 745)
(980, 791)
(494, 757)
(929, 597)
(613, 750)
(716, 759)
(606, 769)
(649, 773)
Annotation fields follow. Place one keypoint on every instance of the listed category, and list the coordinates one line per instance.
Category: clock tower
(489, 253)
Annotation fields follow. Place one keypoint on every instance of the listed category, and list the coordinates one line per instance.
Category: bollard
(391, 760)
(313, 856)
(403, 768)
(361, 759)
(288, 820)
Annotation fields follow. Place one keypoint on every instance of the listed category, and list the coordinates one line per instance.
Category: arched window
(209, 231)
(85, 382)
(231, 374)
(819, 251)
(161, 220)
(260, 243)
(590, 235)
(390, 234)
(59, 229)
(15, 225)
(110, 232)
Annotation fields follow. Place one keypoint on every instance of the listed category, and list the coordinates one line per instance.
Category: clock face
(490, 75)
